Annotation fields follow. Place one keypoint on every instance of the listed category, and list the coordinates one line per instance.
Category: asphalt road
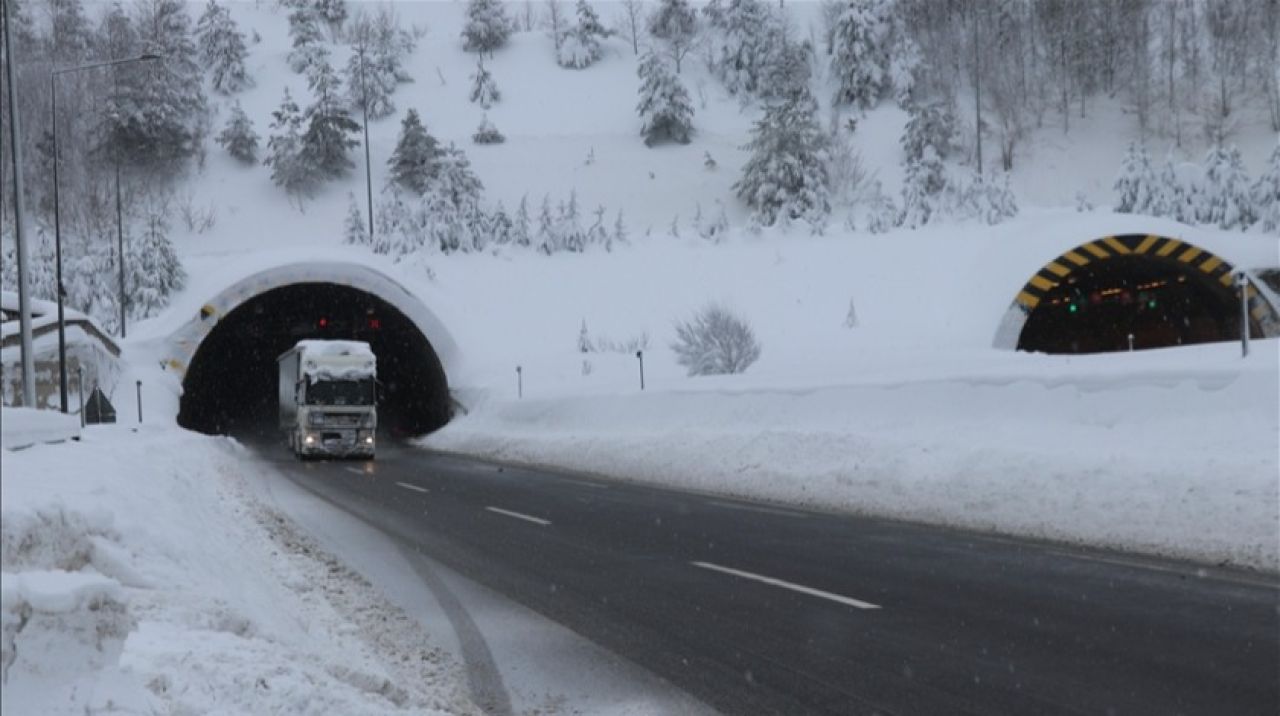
(757, 609)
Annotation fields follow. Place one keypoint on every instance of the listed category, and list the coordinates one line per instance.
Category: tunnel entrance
(1133, 292)
(230, 385)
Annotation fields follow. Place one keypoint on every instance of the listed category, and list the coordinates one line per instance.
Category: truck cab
(328, 399)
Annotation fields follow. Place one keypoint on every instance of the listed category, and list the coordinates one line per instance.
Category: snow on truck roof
(337, 360)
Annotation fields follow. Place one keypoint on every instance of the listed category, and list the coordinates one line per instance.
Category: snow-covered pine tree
(861, 59)
(884, 214)
(499, 228)
(520, 227)
(371, 77)
(931, 124)
(354, 229)
(414, 162)
(332, 12)
(786, 64)
(743, 36)
(1266, 194)
(487, 27)
(619, 235)
(981, 197)
(580, 47)
(665, 109)
(484, 91)
(70, 37)
(546, 240)
(584, 339)
(331, 131)
(238, 137)
(786, 177)
(222, 49)
(675, 26)
(1180, 190)
(289, 169)
(1227, 203)
(158, 115)
(308, 40)
(455, 180)
(922, 186)
(905, 61)
(486, 133)
(154, 272)
(1136, 187)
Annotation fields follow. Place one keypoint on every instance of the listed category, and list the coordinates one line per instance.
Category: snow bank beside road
(141, 575)
(24, 427)
(1171, 453)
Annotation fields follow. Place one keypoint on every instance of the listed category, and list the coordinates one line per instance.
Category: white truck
(328, 399)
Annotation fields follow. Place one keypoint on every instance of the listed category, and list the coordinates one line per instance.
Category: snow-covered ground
(141, 575)
(22, 427)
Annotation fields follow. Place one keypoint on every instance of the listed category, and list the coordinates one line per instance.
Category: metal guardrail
(85, 324)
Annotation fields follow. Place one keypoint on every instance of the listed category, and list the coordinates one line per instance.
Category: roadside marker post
(640, 355)
(1242, 280)
(519, 382)
(80, 387)
(139, 402)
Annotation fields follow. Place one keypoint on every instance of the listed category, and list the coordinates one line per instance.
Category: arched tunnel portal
(229, 386)
(1132, 292)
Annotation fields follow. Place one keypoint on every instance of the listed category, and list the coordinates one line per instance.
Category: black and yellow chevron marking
(1159, 248)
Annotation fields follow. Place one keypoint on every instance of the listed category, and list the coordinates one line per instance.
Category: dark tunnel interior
(1160, 303)
(230, 386)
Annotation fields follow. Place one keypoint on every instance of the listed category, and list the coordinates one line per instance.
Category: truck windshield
(340, 392)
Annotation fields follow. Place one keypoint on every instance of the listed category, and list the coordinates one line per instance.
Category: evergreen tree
(487, 27)
(580, 47)
(861, 58)
(786, 65)
(332, 12)
(520, 227)
(330, 129)
(1136, 186)
(929, 125)
(665, 109)
(904, 68)
(499, 228)
(786, 176)
(222, 49)
(744, 33)
(675, 26)
(1227, 203)
(157, 115)
(154, 271)
(238, 137)
(284, 150)
(619, 232)
(1266, 194)
(455, 181)
(546, 239)
(484, 91)
(922, 187)
(369, 83)
(70, 37)
(981, 197)
(414, 162)
(354, 229)
(486, 133)
(308, 41)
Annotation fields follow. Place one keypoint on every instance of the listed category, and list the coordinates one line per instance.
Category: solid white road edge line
(354, 470)
(850, 601)
(415, 488)
(520, 516)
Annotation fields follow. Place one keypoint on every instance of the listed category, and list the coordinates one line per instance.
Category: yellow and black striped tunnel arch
(1175, 253)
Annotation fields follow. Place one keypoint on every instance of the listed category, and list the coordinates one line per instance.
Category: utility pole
(124, 299)
(20, 216)
(977, 86)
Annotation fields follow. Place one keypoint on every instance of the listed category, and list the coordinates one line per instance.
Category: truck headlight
(310, 440)
(368, 440)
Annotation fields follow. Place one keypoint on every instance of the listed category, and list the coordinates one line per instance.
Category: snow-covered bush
(715, 341)
(674, 26)
(981, 197)
(486, 133)
(238, 137)
(665, 109)
(354, 229)
(742, 41)
(931, 124)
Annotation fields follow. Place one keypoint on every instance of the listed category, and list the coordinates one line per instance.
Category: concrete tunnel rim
(185, 343)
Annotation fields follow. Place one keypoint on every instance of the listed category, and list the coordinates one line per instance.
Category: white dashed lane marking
(415, 488)
(520, 516)
(850, 601)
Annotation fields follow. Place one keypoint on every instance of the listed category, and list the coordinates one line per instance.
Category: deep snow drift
(160, 585)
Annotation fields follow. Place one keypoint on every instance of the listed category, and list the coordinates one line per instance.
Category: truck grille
(342, 420)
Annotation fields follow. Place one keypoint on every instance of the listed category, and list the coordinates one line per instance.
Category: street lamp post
(57, 225)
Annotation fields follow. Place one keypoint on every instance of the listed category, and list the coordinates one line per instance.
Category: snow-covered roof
(337, 360)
